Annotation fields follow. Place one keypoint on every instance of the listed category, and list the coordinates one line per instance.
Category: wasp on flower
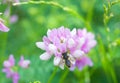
(68, 47)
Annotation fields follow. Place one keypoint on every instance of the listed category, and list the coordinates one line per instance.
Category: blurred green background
(35, 19)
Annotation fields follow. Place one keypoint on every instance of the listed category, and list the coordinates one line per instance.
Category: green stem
(107, 17)
(69, 10)
(5, 35)
(52, 75)
(115, 2)
(64, 76)
(87, 76)
(89, 15)
(107, 66)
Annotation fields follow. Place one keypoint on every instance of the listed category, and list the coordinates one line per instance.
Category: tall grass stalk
(52, 75)
(52, 3)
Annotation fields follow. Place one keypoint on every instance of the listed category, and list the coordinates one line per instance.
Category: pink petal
(8, 72)
(3, 27)
(52, 48)
(24, 63)
(81, 42)
(87, 61)
(15, 77)
(13, 18)
(71, 43)
(12, 60)
(57, 60)
(78, 54)
(7, 64)
(72, 68)
(83, 62)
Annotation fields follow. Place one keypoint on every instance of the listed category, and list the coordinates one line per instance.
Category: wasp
(66, 58)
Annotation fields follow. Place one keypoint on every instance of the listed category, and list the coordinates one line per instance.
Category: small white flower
(45, 56)
(48, 32)
(40, 45)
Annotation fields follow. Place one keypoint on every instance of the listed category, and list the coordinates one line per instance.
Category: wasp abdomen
(66, 58)
(68, 63)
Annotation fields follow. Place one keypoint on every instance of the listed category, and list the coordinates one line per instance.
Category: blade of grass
(107, 66)
(64, 76)
(67, 9)
(52, 75)
(89, 15)
(87, 76)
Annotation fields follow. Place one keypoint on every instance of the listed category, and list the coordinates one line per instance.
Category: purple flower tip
(13, 19)
(15, 77)
(3, 27)
(10, 62)
(24, 63)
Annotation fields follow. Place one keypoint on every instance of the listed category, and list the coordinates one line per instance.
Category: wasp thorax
(65, 56)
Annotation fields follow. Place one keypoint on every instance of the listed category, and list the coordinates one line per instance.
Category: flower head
(68, 47)
(89, 40)
(10, 62)
(11, 70)
(24, 63)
